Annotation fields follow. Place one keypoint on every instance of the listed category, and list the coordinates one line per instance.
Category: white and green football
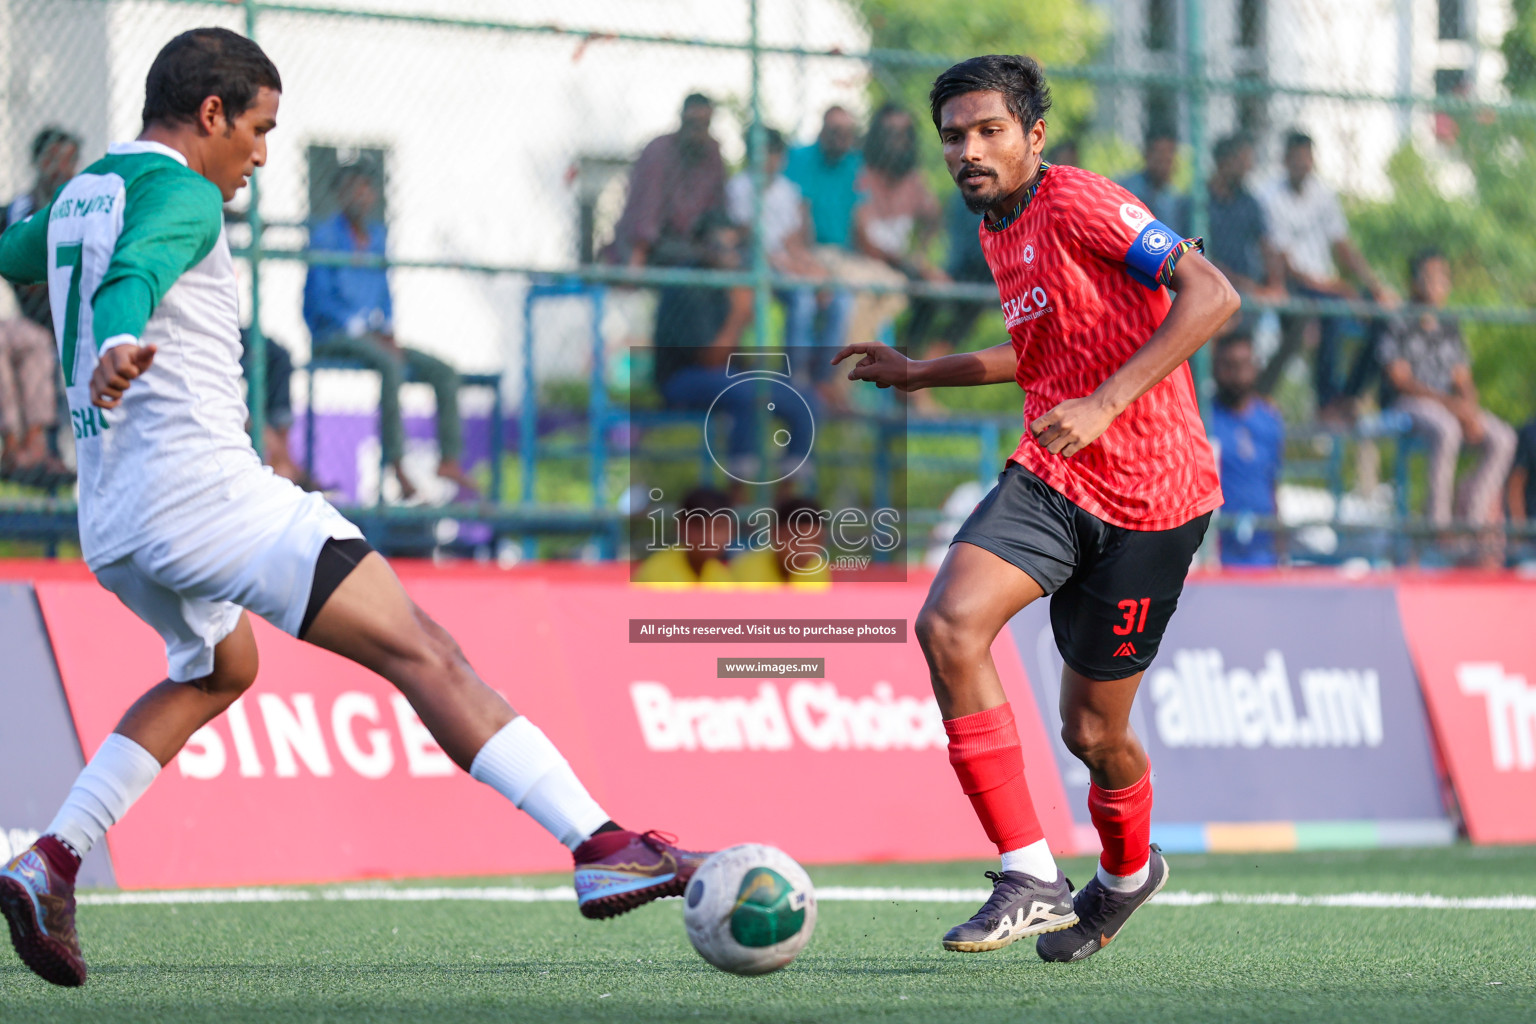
(750, 909)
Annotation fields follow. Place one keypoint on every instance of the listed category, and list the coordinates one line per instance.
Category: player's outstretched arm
(886, 367)
(1204, 302)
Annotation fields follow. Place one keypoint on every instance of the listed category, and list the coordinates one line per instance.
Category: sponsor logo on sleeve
(1134, 216)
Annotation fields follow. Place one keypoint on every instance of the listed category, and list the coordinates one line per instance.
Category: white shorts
(257, 552)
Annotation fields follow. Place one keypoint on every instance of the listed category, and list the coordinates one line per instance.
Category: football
(750, 909)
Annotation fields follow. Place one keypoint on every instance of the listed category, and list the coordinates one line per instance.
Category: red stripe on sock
(984, 751)
(1124, 820)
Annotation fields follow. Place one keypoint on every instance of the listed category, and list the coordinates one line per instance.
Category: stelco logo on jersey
(1021, 309)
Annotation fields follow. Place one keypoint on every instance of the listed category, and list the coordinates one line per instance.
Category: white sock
(1034, 859)
(1125, 883)
(521, 764)
(117, 776)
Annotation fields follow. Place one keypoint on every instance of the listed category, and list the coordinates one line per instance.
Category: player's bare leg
(972, 599)
(1096, 727)
(37, 888)
(371, 620)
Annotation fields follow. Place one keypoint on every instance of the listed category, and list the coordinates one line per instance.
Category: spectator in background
(677, 179)
(798, 551)
(705, 525)
(1250, 436)
(278, 409)
(827, 172)
(895, 220)
(697, 329)
(1238, 241)
(29, 390)
(786, 238)
(29, 404)
(1153, 184)
(1308, 229)
(1428, 376)
(350, 316)
(1521, 488)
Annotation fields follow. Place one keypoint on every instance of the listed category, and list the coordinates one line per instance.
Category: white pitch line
(827, 894)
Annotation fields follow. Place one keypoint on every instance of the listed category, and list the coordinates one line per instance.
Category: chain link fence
(485, 165)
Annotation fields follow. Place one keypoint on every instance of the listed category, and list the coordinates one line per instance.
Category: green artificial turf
(449, 961)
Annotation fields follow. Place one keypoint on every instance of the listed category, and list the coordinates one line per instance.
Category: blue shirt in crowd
(342, 299)
(1252, 444)
(831, 190)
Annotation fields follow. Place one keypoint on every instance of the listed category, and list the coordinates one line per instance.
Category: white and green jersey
(133, 250)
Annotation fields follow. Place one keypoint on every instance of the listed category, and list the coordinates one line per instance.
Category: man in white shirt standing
(1308, 229)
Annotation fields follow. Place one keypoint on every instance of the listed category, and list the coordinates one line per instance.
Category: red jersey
(1078, 271)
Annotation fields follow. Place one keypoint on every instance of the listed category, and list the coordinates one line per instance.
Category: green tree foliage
(1058, 33)
(1486, 233)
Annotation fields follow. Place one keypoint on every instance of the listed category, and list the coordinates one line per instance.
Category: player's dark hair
(1159, 135)
(49, 137)
(1417, 260)
(1295, 139)
(206, 62)
(1227, 145)
(1020, 79)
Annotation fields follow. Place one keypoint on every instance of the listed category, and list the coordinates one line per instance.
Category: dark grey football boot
(1101, 913)
(1020, 905)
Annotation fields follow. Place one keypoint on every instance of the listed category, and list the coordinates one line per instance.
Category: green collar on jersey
(1013, 215)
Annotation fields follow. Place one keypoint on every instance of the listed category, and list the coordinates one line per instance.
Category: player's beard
(981, 202)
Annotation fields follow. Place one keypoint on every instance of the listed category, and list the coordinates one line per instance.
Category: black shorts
(1112, 590)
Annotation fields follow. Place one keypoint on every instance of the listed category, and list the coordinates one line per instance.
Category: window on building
(1162, 25)
(1453, 19)
(1250, 23)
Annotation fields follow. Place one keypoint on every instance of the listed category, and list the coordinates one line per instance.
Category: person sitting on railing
(29, 390)
(895, 221)
(1250, 436)
(677, 179)
(1429, 377)
(1308, 228)
(1153, 184)
(704, 525)
(350, 316)
(698, 327)
(786, 239)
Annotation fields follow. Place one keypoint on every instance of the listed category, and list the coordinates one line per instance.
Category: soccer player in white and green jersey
(181, 521)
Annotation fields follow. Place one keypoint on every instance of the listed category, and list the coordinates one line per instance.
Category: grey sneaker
(1101, 913)
(1020, 905)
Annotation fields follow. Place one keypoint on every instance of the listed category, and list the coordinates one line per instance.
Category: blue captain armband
(1155, 253)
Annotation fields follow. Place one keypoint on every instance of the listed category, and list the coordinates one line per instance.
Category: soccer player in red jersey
(1102, 506)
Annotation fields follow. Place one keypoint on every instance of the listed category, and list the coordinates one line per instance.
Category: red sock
(984, 751)
(60, 857)
(1124, 820)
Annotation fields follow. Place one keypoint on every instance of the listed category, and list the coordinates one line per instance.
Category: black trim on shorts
(335, 563)
(1113, 590)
